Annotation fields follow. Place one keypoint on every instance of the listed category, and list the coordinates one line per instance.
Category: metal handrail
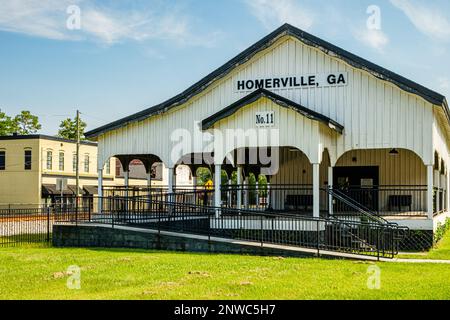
(175, 216)
(366, 212)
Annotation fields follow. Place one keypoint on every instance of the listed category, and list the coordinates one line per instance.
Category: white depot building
(330, 118)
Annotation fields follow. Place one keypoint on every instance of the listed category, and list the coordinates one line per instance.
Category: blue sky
(129, 55)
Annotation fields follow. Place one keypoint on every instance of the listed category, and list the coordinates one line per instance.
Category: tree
(26, 123)
(7, 126)
(68, 129)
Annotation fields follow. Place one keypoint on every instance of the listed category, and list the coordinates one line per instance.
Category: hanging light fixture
(393, 152)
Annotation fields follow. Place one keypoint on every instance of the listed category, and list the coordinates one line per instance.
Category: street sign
(61, 184)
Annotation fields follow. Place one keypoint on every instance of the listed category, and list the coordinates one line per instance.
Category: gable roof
(308, 39)
(279, 100)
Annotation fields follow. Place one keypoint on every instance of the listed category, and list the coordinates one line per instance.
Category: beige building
(30, 167)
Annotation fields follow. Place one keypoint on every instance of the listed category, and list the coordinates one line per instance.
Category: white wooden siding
(375, 113)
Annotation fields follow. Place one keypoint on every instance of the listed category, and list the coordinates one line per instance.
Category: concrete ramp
(106, 236)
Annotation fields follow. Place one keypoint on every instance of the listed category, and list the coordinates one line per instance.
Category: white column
(447, 191)
(217, 185)
(170, 180)
(149, 187)
(100, 191)
(316, 190)
(246, 193)
(257, 192)
(194, 186)
(126, 178)
(230, 192)
(430, 173)
(330, 186)
(438, 185)
(239, 191)
(194, 183)
(149, 179)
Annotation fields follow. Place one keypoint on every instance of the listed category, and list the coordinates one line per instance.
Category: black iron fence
(33, 223)
(383, 200)
(387, 200)
(439, 201)
(140, 191)
(292, 229)
(273, 197)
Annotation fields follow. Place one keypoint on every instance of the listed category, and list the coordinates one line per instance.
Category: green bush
(441, 231)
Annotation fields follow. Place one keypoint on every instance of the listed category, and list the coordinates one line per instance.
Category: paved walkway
(420, 261)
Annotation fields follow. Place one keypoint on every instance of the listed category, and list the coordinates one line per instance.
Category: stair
(374, 221)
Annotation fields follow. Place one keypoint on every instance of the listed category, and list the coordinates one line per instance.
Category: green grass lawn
(40, 273)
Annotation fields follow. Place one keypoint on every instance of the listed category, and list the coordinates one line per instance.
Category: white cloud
(275, 13)
(47, 19)
(373, 38)
(430, 21)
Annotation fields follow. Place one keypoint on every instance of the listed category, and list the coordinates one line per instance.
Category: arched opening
(390, 182)
(270, 179)
(132, 175)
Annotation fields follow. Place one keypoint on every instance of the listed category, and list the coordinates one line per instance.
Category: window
(2, 160)
(28, 159)
(108, 167)
(61, 161)
(74, 162)
(86, 163)
(49, 160)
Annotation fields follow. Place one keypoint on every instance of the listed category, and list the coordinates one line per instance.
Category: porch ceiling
(277, 99)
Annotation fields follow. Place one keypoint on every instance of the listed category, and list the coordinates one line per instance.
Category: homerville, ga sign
(294, 82)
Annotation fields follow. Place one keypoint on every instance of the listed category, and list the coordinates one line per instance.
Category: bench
(298, 201)
(400, 201)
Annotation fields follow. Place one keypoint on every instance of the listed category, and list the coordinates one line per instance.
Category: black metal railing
(34, 223)
(385, 200)
(290, 229)
(439, 201)
(273, 197)
(139, 191)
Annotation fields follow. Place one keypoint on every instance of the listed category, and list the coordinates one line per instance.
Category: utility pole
(78, 156)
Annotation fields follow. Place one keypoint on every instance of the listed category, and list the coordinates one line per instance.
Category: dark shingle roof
(286, 29)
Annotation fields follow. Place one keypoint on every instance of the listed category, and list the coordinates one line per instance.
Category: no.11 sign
(265, 119)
